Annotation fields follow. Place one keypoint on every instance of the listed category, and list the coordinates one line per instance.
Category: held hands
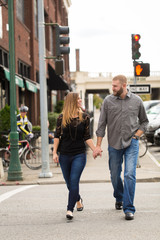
(55, 158)
(97, 152)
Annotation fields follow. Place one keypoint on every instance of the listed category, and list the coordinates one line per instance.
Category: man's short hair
(121, 78)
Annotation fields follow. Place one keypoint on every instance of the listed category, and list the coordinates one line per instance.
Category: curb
(8, 183)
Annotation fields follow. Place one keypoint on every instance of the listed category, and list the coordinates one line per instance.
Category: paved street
(39, 213)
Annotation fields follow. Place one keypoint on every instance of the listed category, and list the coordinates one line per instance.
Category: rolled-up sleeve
(143, 120)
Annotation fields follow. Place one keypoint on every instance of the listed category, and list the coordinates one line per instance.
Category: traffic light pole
(135, 83)
(43, 94)
(14, 172)
(135, 79)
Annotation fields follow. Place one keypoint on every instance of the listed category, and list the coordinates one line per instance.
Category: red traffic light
(137, 37)
(135, 46)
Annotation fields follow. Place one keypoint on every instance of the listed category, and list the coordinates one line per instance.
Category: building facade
(27, 54)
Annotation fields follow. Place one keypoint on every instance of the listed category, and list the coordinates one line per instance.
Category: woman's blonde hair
(70, 108)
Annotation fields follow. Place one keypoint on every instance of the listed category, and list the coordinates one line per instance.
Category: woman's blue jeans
(72, 167)
(124, 193)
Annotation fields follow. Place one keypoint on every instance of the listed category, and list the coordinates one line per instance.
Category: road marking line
(153, 159)
(7, 195)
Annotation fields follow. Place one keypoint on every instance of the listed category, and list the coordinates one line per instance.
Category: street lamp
(14, 172)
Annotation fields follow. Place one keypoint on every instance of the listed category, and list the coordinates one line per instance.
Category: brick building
(27, 54)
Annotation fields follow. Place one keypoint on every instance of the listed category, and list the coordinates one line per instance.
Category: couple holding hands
(124, 116)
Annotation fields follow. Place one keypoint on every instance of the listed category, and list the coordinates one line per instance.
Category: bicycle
(31, 155)
(143, 146)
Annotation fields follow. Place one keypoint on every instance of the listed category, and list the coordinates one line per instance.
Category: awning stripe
(19, 81)
(31, 87)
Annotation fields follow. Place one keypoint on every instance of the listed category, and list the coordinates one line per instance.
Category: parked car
(153, 112)
(153, 125)
(157, 137)
(151, 103)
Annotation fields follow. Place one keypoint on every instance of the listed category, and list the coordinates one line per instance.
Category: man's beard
(119, 92)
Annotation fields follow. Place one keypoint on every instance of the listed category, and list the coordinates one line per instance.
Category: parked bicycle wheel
(143, 146)
(32, 158)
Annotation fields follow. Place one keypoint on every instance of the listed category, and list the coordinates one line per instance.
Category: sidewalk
(96, 170)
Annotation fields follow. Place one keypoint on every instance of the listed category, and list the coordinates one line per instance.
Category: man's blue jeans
(72, 167)
(124, 193)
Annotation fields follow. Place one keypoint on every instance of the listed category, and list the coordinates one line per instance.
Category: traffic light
(141, 69)
(62, 40)
(135, 46)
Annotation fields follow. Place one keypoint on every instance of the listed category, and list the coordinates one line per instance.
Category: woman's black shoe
(80, 208)
(69, 215)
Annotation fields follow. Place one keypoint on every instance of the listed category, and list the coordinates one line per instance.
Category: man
(124, 114)
(23, 124)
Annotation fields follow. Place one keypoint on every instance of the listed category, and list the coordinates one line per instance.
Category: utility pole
(43, 94)
(14, 172)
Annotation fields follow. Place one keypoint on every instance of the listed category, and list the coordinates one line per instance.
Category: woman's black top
(73, 136)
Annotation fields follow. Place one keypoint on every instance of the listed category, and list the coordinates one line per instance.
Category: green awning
(19, 80)
(31, 86)
(7, 74)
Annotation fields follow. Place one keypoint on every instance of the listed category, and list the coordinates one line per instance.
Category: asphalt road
(38, 212)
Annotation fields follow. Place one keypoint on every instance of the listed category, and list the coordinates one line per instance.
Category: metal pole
(135, 83)
(43, 94)
(14, 172)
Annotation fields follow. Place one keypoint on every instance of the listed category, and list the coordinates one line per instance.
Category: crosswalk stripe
(9, 194)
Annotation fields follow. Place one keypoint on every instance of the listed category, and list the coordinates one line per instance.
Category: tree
(97, 101)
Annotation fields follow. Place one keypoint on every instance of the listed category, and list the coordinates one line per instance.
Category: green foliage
(4, 124)
(52, 118)
(5, 118)
(59, 106)
(3, 141)
(97, 101)
(36, 128)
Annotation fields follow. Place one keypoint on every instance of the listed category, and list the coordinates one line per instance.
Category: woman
(72, 132)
